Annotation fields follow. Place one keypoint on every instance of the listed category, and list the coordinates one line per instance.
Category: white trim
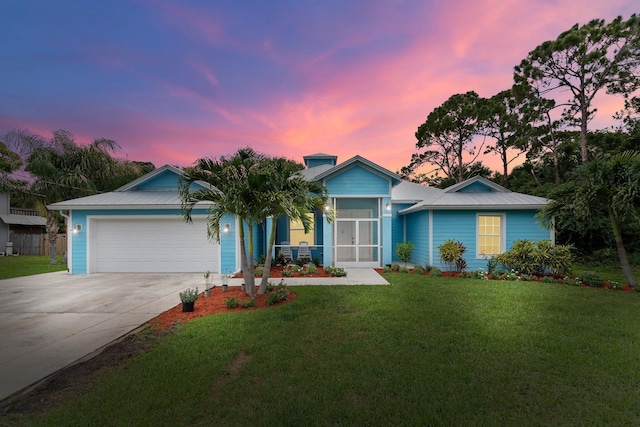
(430, 237)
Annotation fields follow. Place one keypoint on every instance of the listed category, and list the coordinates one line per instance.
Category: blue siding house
(139, 227)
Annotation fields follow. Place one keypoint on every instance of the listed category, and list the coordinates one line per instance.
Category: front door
(356, 239)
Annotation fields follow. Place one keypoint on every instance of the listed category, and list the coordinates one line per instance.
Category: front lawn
(28, 265)
(423, 351)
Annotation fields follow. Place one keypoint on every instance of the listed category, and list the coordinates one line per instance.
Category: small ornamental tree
(404, 251)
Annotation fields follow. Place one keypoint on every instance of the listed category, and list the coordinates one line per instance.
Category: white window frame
(503, 233)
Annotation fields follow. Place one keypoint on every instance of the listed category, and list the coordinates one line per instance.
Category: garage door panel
(153, 245)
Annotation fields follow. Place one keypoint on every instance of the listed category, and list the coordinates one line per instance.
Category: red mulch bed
(276, 273)
(215, 303)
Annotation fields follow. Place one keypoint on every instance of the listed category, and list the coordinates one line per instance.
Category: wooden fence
(36, 244)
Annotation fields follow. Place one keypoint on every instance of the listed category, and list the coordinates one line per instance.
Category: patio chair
(285, 251)
(304, 252)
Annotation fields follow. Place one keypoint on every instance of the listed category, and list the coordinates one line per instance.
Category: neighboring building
(20, 229)
(139, 227)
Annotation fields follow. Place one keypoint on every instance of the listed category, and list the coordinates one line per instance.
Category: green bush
(418, 269)
(338, 272)
(592, 279)
(189, 295)
(492, 265)
(428, 267)
(395, 266)
(404, 251)
(287, 272)
(259, 271)
(386, 269)
(403, 269)
(528, 257)
(276, 294)
(451, 255)
(436, 272)
(312, 269)
(251, 302)
(232, 302)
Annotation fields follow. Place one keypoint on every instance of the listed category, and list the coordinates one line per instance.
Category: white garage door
(152, 245)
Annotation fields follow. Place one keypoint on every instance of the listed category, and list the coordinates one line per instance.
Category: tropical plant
(63, 169)
(607, 187)
(234, 182)
(451, 255)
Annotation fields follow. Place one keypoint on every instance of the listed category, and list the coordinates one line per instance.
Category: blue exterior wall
(358, 181)
(418, 234)
(397, 228)
(462, 226)
(163, 181)
(312, 163)
(524, 225)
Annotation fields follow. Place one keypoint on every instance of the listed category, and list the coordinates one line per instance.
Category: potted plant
(225, 282)
(188, 298)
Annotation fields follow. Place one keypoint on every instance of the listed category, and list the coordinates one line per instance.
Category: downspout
(67, 255)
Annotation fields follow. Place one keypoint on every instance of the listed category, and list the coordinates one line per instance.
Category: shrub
(549, 279)
(428, 268)
(287, 272)
(395, 266)
(296, 268)
(451, 255)
(480, 274)
(276, 294)
(386, 269)
(404, 251)
(403, 269)
(312, 269)
(492, 265)
(528, 278)
(528, 257)
(259, 271)
(300, 262)
(572, 281)
(338, 272)
(592, 279)
(232, 302)
(251, 302)
(435, 271)
(261, 259)
(418, 269)
(317, 261)
(189, 295)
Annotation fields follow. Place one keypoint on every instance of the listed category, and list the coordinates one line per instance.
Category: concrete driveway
(50, 320)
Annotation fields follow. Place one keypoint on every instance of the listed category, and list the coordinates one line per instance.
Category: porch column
(327, 246)
(387, 241)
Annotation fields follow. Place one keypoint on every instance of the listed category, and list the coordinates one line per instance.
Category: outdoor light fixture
(327, 208)
(388, 206)
(77, 227)
(227, 227)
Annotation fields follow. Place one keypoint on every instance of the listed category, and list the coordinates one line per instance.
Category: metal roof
(32, 220)
(124, 200)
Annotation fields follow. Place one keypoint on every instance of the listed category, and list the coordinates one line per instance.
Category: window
(490, 234)
(296, 232)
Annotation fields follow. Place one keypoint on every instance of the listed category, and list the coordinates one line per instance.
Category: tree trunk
(247, 261)
(267, 259)
(583, 134)
(622, 253)
(52, 233)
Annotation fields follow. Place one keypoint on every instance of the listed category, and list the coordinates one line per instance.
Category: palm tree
(233, 181)
(606, 187)
(286, 192)
(64, 170)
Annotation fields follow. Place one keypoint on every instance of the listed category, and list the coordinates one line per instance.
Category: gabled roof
(476, 193)
(410, 192)
(130, 196)
(395, 178)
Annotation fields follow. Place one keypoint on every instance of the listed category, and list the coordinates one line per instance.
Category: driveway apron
(49, 321)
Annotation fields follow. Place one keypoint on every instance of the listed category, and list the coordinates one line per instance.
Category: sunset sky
(172, 81)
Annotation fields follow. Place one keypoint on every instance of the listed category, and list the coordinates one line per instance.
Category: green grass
(27, 265)
(423, 351)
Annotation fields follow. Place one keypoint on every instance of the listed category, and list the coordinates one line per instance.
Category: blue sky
(172, 81)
